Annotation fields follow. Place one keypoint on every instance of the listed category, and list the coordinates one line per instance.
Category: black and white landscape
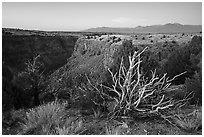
(102, 68)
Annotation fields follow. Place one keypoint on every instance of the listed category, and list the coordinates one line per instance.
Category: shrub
(30, 82)
(51, 119)
(178, 62)
(195, 85)
(184, 59)
(43, 119)
(12, 119)
(190, 122)
(117, 128)
(149, 62)
(88, 98)
(134, 94)
(18, 115)
(12, 95)
(111, 130)
(71, 127)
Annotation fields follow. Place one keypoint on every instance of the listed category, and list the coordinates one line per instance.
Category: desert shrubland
(136, 95)
(118, 84)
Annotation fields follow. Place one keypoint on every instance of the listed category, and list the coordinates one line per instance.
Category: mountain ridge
(166, 28)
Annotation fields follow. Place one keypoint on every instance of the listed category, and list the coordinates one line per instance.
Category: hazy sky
(79, 16)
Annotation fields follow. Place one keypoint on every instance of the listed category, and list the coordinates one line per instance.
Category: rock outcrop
(91, 58)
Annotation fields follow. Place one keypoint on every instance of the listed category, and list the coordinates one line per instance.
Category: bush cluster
(49, 119)
(195, 85)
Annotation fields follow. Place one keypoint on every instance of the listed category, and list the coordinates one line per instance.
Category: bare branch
(136, 93)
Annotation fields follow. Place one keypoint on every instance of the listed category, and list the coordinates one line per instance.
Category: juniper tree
(31, 80)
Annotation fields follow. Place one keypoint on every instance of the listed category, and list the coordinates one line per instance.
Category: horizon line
(98, 27)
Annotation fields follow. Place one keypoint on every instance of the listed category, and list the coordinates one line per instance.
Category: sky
(77, 16)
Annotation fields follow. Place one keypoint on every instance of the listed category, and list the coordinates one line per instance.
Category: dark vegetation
(61, 85)
(54, 50)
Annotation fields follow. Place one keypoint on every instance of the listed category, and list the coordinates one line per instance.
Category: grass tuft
(51, 118)
(191, 122)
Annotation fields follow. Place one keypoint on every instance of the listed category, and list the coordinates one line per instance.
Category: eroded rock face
(54, 50)
(91, 58)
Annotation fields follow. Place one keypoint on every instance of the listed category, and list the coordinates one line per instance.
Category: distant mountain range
(167, 28)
